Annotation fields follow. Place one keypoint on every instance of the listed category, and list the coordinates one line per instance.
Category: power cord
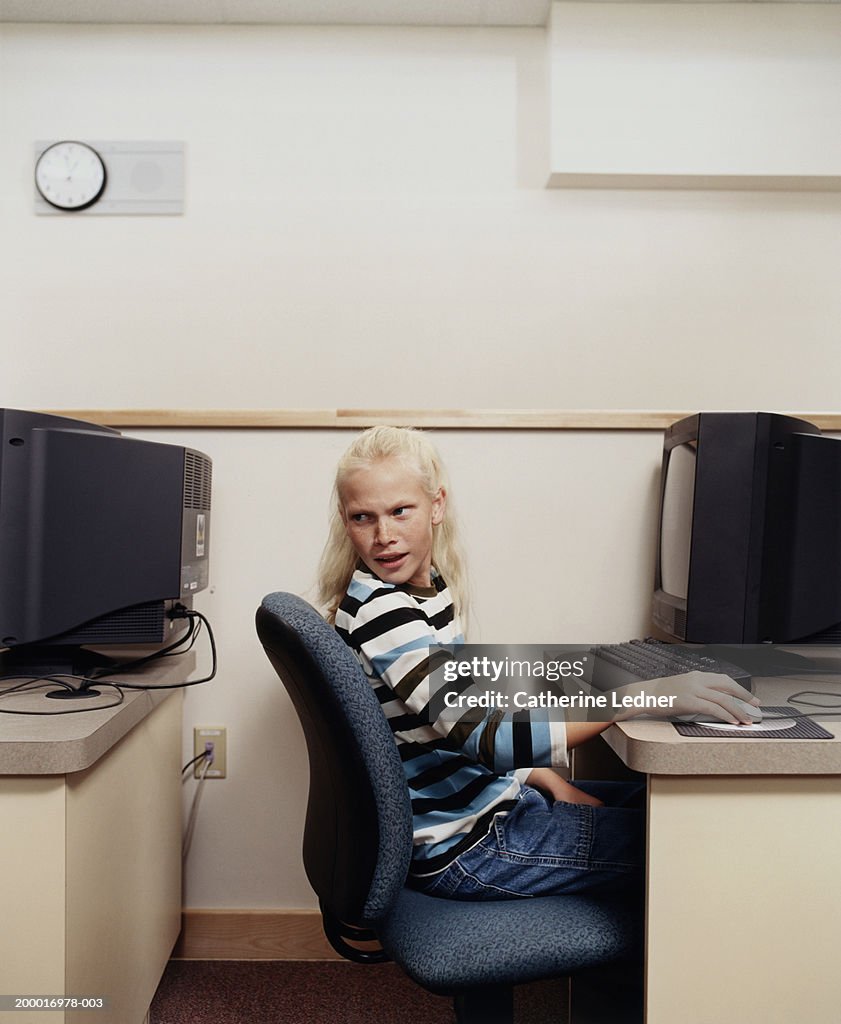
(821, 710)
(187, 613)
(195, 760)
(99, 677)
(831, 709)
(44, 682)
(207, 757)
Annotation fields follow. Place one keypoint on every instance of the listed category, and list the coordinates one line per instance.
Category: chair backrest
(358, 832)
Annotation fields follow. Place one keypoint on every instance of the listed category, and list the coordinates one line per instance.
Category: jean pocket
(561, 835)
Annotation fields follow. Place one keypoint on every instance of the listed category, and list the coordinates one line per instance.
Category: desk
(90, 863)
(743, 912)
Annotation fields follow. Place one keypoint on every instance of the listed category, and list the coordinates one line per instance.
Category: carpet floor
(294, 992)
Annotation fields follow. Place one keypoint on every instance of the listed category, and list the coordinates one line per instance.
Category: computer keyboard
(639, 660)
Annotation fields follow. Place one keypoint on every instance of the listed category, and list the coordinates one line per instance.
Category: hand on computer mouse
(742, 708)
(695, 696)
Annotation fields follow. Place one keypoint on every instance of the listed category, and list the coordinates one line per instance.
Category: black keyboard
(639, 660)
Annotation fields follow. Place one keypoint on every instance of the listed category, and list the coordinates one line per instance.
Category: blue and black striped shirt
(461, 770)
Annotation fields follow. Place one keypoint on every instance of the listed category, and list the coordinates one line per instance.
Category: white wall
(366, 226)
(367, 199)
(734, 89)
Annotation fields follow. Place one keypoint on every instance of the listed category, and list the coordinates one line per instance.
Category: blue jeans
(542, 848)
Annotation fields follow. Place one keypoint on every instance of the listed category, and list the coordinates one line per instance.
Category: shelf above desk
(722, 182)
(694, 96)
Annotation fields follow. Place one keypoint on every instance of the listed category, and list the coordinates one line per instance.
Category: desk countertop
(657, 748)
(57, 744)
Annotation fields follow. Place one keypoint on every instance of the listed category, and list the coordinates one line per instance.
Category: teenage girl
(491, 818)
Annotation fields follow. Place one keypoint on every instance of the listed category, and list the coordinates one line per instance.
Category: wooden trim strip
(252, 935)
(443, 419)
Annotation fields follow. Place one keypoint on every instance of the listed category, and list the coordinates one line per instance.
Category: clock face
(70, 175)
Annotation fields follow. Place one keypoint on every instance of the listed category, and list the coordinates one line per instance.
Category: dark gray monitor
(99, 534)
(749, 546)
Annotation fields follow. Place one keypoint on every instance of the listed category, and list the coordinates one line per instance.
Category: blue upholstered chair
(358, 838)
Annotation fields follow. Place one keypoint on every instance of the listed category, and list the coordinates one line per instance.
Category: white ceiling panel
(512, 13)
(281, 12)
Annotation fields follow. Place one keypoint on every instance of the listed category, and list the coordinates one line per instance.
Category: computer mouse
(751, 710)
(708, 718)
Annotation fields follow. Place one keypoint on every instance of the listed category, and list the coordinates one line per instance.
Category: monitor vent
(142, 623)
(198, 471)
(830, 636)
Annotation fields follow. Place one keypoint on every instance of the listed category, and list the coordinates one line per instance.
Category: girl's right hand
(710, 694)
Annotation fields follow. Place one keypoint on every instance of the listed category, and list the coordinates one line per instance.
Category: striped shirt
(460, 771)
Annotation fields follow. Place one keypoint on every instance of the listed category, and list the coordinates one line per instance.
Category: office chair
(357, 846)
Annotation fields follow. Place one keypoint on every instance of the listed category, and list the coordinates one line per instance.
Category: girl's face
(389, 518)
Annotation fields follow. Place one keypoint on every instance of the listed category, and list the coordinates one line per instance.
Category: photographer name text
(499, 701)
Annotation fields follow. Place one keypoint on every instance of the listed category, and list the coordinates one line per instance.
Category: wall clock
(70, 175)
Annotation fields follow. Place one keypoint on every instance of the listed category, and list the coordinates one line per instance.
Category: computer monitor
(100, 534)
(749, 545)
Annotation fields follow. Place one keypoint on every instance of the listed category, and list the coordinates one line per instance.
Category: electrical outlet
(218, 736)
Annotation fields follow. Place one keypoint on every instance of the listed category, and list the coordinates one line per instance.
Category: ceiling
(528, 13)
(282, 12)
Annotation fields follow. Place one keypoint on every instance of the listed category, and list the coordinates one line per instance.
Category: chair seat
(449, 945)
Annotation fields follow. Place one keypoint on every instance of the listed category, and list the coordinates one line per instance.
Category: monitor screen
(676, 528)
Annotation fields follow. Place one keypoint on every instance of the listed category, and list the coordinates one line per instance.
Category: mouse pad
(793, 728)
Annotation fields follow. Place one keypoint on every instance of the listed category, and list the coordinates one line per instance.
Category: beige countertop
(49, 743)
(657, 748)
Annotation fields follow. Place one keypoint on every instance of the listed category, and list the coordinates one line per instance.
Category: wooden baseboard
(252, 935)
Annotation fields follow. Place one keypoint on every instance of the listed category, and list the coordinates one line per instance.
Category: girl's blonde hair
(416, 451)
